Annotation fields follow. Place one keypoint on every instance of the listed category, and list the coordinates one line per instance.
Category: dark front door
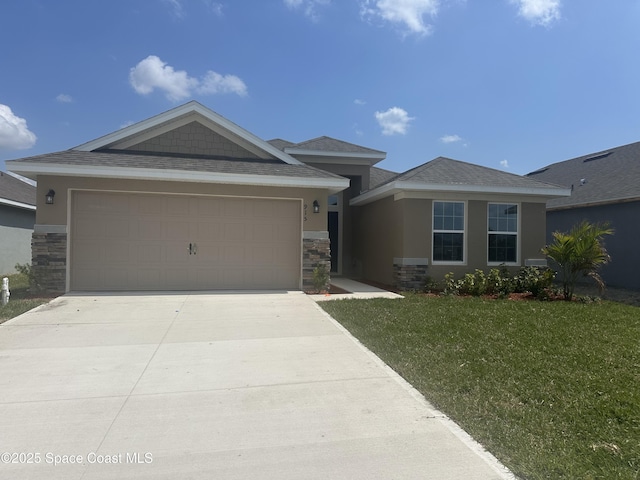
(333, 240)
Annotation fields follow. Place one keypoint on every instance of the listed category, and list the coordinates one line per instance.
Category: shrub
(499, 282)
(534, 280)
(27, 270)
(580, 251)
(320, 277)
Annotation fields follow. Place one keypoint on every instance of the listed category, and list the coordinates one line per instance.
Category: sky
(508, 84)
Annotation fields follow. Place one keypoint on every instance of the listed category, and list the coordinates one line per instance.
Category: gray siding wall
(624, 268)
(16, 227)
(193, 138)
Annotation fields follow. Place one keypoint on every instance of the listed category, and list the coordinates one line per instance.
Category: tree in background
(579, 252)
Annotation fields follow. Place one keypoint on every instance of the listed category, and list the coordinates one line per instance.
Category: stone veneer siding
(408, 275)
(315, 251)
(49, 261)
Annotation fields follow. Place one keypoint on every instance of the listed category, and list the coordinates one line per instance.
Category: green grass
(550, 388)
(21, 300)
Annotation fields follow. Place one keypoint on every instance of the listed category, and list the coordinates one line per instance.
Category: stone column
(49, 259)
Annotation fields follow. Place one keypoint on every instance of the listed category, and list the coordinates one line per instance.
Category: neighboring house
(605, 188)
(187, 200)
(17, 217)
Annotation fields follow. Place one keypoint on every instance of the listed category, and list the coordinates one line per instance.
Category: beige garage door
(122, 241)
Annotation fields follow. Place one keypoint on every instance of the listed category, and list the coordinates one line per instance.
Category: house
(188, 200)
(605, 187)
(17, 217)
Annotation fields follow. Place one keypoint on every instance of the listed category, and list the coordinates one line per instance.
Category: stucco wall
(623, 269)
(389, 229)
(378, 234)
(56, 214)
(16, 227)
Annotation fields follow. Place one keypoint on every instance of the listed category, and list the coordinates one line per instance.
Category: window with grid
(448, 232)
(503, 233)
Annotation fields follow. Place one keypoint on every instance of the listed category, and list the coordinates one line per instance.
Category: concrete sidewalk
(220, 385)
(354, 289)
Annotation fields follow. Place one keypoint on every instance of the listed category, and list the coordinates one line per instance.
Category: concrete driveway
(212, 386)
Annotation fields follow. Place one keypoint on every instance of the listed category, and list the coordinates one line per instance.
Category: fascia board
(13, 203)
(324, 153)
(334, 184)
(185, 110)
(395, 187)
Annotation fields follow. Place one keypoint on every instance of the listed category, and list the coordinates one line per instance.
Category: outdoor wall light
(49, 197)
(316, 206)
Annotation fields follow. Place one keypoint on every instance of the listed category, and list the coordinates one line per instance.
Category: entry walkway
(355, 289)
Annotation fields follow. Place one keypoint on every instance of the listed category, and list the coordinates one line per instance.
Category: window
(503, 233)
(448, 232)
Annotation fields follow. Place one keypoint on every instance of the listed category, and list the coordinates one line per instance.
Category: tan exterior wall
(378, 233)
(389, 229)
(56, 214)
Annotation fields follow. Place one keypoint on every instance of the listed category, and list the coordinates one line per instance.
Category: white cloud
(64, 98)
(215, 83)
(539, 12)
(152, 73)
(310, 7)
(408, 13)
(177, 8)
(504, 163)
(451, 139)
(393, 121)
(357, 101)
(215, 7)
(14, 133)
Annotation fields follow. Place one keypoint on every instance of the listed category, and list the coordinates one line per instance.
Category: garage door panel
(147, 205)
(235, 232)
(149, 254)
(149, 228)
(117, 252)
(138, 241)
(86, 227)
(115, 227)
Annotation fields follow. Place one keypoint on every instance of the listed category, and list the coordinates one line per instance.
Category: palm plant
(579, 252)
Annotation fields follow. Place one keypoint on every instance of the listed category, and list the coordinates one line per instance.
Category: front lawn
(552, 389)
(21, 300)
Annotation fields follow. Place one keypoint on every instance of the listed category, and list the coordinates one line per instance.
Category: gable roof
(608, 176)
(445, 175)
(119, 155)
(143, 166)
(16, 193)
(182, 115)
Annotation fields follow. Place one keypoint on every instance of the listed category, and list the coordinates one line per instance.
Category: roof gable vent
(596, 157)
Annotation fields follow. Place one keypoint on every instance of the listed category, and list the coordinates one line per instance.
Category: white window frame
(463, 231)
(500, 232)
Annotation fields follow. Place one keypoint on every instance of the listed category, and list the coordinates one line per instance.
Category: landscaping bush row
(534, 280)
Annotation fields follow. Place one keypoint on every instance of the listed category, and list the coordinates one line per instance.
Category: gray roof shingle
(607, 176)
(445, 171)
(173, 162)
(380, 176)
(328, 144)
(280, 144)
(15, 190)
